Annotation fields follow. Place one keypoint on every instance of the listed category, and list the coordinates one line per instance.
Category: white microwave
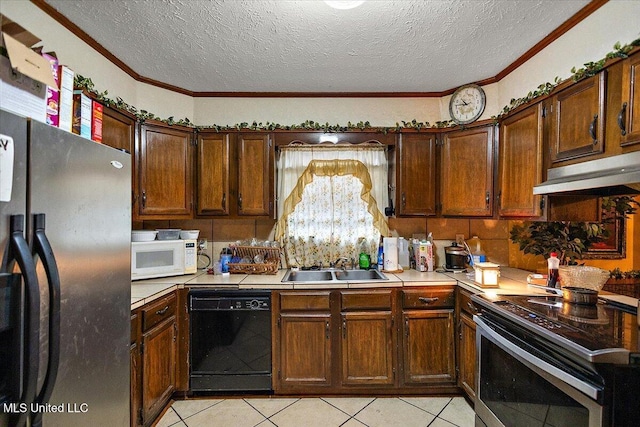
(163, 258)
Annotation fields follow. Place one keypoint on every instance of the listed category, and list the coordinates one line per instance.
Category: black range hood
(610, 176)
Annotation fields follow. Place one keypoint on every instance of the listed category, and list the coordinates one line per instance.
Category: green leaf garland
(589, 69)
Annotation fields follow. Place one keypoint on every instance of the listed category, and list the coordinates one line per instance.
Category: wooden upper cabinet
(416, 175)
(255, 174)
(520, 163)
(118, 129)
(213, 174)
(467, 172)
(577, 118)
(165, 162)
(629, 115)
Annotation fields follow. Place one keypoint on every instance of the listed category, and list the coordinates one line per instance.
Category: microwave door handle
(42, 248)
(533, 362)
(18, 252)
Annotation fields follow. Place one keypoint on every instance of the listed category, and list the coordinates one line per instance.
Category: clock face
(467, 104)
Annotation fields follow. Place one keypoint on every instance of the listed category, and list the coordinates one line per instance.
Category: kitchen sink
(308, 276)
(359, 275)
(333, 276)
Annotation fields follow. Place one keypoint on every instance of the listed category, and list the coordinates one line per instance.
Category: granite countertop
(512, 281)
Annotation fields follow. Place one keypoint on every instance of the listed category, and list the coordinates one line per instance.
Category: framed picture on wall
(614, 246)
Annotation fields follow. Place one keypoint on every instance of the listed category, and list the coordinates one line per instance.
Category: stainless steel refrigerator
(65, 285)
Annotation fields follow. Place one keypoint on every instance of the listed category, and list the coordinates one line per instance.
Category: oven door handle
(533, 362)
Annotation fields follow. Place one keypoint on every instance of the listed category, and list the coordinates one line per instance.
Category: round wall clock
(467, 104)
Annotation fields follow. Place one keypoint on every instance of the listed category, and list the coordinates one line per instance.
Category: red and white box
(96, 122)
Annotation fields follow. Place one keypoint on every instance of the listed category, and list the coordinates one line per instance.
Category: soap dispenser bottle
(364, 258)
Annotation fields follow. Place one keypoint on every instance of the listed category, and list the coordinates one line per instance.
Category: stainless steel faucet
(341, 259)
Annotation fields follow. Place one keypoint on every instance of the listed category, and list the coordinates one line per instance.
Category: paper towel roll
(390, 247)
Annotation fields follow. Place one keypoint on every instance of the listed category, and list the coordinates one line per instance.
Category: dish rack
(270, 255)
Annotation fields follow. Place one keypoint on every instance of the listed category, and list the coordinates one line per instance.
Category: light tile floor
(321, 412)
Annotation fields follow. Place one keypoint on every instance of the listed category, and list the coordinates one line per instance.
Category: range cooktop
(595, 332)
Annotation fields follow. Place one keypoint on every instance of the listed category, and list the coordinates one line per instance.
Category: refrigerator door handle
(18, 252)
(42, 248)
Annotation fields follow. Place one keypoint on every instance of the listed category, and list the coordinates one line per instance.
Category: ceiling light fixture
(344, 4)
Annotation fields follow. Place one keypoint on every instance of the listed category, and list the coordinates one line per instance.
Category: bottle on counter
(475, 246)
(364, 258)
(225, 259)
(553, 274)
(380, 254)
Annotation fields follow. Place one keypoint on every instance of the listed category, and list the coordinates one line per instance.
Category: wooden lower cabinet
(302, 341)
(350, 341)
(467, 352)
(368, 343)
(304, 350)
(135, 414)
(428, 336)
(429, 350)
(153, 359)
(466, 344)
(158, 367)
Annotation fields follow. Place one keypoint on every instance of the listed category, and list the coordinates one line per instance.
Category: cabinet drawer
(366, 300)
(428, 298)
(304, 301)
(135, 326)
(466, 305)
(158, 311)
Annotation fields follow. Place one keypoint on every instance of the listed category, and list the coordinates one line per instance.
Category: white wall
(590, 40)
(288, 111)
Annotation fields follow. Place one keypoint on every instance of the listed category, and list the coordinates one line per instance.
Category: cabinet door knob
(404, 200)
(621, 119)
(224, 201)
(240, 201)
(487, 198)
(426, 300)
(592, 129)
(144, 199)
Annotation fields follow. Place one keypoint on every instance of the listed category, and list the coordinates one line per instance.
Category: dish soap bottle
(553, 274)
(364, 258)
(380, 255)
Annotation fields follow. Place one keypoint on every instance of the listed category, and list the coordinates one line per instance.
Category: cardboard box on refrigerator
(65, 111)
(53, 92)
(24, 74)
(96, 122)
(82, 112)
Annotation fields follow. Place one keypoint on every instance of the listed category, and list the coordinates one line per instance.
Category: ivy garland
(589, 69)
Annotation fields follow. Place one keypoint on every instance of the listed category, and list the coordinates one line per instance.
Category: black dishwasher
(230, 340)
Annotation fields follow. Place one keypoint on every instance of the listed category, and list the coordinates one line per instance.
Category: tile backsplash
(219, 233)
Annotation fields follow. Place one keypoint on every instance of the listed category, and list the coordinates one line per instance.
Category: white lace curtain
(330, 200)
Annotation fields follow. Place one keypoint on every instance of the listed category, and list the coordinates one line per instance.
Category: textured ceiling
(306, 46)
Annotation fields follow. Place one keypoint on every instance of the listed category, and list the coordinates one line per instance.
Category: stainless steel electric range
(544, 362)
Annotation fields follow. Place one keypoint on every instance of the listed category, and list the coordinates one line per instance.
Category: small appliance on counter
(456, 257)
(163, 258)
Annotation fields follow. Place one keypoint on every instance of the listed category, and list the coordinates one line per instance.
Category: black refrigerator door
(13, 207)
